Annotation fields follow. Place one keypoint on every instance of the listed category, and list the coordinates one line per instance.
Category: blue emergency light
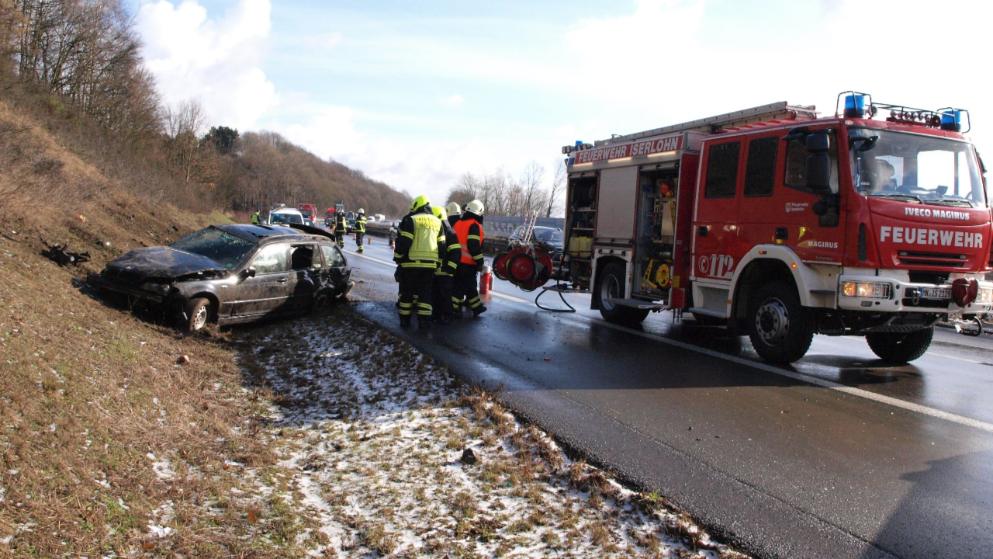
(951, 119)
(855, 104)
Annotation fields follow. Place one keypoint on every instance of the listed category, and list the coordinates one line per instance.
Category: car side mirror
(249, 272)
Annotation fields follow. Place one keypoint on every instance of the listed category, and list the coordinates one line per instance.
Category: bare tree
(557, 189)
(533, 196)
(183, 125)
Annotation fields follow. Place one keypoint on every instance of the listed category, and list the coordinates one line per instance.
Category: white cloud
(217, 62)
(452, 101)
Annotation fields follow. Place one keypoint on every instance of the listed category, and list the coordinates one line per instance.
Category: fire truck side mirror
(818, 162)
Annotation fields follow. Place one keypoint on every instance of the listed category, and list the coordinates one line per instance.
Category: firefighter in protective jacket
(469, 230)
(454, 213)
(360, 230)
(340, 228)
(420, 249)
(445, 274)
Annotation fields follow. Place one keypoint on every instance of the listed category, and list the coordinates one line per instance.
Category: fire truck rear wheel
(899, 349)
(611, 286)
(779, 327)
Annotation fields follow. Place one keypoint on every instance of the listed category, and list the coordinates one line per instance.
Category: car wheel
(900, 349)
(781, 329)
(611, 286)
(198, 313)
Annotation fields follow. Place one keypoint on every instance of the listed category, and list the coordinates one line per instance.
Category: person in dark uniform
(340, 228)
(469, 230)
(420, 249)
(444, 275)
(360, 230)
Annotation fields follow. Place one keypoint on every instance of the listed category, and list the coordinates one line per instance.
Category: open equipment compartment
(581, 212)
(656, 231)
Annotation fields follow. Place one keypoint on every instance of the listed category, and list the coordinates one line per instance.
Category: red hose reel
(528, 267)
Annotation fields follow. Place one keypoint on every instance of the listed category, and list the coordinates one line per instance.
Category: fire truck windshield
(916, 168)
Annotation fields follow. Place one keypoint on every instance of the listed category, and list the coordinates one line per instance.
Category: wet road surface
(837, 456)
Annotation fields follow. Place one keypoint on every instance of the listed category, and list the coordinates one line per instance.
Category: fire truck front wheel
(780, 328)
(899, 349)
(611, 286)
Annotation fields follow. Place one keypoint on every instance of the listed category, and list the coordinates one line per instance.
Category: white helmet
(362, 211)
(453, 209)
(475, 207)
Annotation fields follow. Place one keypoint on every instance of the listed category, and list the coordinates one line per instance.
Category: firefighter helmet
(475, 207)
(439, 212)
(453, 209)
(361, 211)
(419, 203)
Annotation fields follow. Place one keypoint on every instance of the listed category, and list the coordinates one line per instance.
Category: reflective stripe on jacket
(360, 224)
(470, 234)
(421, 241)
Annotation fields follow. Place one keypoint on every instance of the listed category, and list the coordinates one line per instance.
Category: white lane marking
(850, 390)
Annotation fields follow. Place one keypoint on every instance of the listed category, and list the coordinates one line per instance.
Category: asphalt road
(837, 456)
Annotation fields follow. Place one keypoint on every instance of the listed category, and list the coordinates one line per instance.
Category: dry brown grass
(87, 392)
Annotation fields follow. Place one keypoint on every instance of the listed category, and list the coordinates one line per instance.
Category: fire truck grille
(912, 258)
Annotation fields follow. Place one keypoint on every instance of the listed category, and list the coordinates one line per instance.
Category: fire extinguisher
(485, 280)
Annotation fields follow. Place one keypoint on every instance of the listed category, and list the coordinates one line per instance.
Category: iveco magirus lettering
(779, 223)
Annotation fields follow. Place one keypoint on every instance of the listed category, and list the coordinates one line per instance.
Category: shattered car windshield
(223, 248)
(917, 168)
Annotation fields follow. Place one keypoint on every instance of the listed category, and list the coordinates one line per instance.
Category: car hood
(164, 263)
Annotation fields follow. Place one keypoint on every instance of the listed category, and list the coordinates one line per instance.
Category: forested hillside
(76, 66)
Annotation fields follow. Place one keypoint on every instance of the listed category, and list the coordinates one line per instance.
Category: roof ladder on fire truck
(772, 111)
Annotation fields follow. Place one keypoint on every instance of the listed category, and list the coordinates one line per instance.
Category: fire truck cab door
(715, 230)
(778, 206)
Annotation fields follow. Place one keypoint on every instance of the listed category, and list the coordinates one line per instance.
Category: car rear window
(223, 248)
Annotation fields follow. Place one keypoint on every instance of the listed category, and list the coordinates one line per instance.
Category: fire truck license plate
(936, 293)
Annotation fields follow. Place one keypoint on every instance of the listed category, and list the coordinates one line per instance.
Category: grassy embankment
(92, 399)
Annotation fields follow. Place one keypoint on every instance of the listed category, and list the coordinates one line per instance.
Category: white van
(285, 216)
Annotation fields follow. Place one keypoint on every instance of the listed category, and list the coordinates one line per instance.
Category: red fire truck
(779, 224)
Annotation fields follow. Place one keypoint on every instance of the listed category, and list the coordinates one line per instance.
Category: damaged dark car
(228, 274)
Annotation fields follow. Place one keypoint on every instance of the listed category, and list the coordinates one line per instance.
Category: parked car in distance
(227, 274)
(551, 239)
(285, 216)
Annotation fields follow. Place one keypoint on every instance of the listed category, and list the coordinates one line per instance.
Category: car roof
(285, 211)
(258, 232)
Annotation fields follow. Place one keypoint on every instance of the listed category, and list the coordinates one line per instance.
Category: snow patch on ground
(160, 518)
(162, 467)
(374, 435)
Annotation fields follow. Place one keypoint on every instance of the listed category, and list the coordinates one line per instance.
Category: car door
(336, 269)
(306, 269)
(267, 290)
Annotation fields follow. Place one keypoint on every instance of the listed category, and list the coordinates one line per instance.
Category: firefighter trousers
(415, 283)
(442, 297)
(466, 289)
(360, 241)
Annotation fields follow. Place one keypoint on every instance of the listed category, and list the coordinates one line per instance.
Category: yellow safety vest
(424, 249)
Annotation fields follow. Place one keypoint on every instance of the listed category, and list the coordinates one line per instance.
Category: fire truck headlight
(985, 297)
(867, 289)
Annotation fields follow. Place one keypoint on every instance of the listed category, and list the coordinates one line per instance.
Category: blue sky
(417, 93)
